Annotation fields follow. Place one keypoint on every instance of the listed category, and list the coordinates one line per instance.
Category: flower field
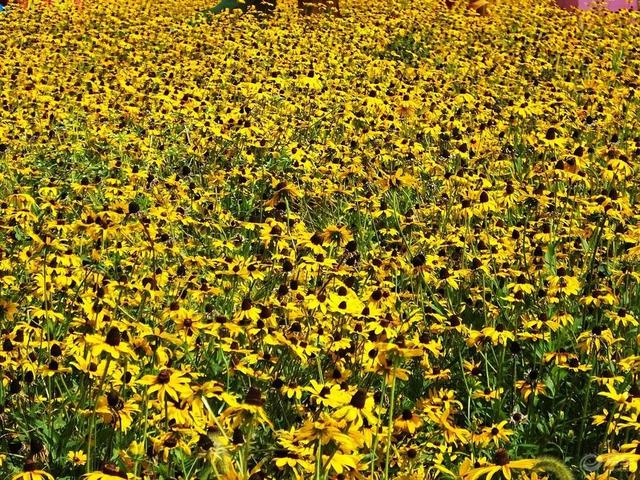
(403, 242)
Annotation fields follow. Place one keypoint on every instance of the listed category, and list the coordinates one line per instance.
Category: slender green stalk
(374, 455)
(92, 421)
(390, 428)
(318, 472)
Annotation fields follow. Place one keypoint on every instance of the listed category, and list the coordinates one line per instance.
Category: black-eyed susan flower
(359, 409)
(408, 421)
(628, 457)
(77, 458)
(501, 464)
(495, 434)
(107, 472)
(31, 472)
(167, 382)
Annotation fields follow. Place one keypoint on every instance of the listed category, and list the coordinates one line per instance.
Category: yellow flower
(501, 464)
(359, 409)
(342, 462)
(77, 457)
(495, 433)
(329, 395)
(136, 449)
(488, 394)
(408, 421)
(451, 432)
(529, 387)
(167, 383)
(31, 472)
(628, 457)
(8, 308)
(326, 430)
(108, 472)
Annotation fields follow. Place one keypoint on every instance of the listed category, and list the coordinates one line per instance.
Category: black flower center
(358, 399)
(501, 457)
(254, 397)
(113, 337)
(163, 377)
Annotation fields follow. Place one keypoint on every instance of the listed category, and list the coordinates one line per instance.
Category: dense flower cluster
(401, 243)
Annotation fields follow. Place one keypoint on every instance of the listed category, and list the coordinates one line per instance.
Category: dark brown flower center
(501, 457)
(111, 469)
(358, 399)
(113, 337)
(29, 466)
(254, 397)
(164, 377)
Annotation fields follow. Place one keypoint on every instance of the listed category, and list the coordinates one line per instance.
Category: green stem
(374, 455)
(390, 428)
(92, 421)
(318, 474)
